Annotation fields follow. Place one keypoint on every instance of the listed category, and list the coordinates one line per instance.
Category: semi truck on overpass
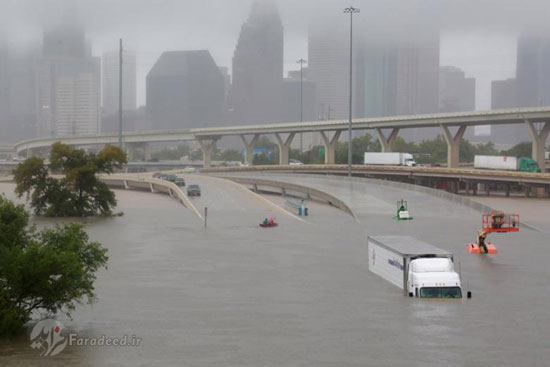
(390, 158)
(506, 163)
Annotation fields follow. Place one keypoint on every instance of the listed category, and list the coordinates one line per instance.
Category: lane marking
(253, 194)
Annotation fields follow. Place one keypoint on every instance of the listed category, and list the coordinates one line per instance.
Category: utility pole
(351, 10)
(302, 62)
(120, 97)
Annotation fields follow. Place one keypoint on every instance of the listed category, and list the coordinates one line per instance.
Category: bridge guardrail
(460, 173)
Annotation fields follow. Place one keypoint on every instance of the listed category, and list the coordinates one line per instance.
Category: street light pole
(351, 10)
(120, 96)
(301, 62)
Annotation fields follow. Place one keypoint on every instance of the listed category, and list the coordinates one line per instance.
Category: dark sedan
(193, 190)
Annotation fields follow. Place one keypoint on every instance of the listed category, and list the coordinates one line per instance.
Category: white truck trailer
(505, 163)
(420, 269)
(395, 159)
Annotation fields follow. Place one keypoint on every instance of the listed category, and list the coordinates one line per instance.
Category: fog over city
(478, 37)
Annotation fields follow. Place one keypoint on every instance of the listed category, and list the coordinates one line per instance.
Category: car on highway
(295, 162)
(179, 181)
(193, 190)
(171, 178)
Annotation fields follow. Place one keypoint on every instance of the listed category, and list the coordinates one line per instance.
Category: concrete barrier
(310, 192)
(277, 183)
(131, 182)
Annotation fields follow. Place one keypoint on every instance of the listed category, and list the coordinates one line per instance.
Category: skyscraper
(456, 92)
(68, 81)
(111, 70)
(417, 76)
(530, 88)
(533, 71)
(185, 89)
(256, 90)
(22, 86)
(395, 62)
(4, 88)
(328, 65)
(67, 41)
(504, 95)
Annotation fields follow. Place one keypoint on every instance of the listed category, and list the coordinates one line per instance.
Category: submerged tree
(79, 192)
(50, 271)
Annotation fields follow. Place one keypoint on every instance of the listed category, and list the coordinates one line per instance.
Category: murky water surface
(300, 294)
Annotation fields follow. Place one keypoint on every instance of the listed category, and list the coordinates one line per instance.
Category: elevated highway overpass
(452, 125)
(455, 180)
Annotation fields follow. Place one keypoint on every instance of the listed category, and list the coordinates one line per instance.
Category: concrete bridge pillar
(453, 145)
(330, 144)
(249, 147)
(147, 151)
(539, 141)
(130, 151)
(284, 147)
(386, 143)
(206, 146)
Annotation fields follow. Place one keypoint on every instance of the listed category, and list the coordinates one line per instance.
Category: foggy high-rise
(399, 48)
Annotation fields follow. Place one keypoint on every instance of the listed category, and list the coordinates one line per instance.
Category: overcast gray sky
(478, 36)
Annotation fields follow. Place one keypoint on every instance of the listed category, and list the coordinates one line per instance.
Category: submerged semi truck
(395, 159)
(418, 268)
(505, 163)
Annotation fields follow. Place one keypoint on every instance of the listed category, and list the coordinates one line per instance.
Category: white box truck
(505, 163)
(420, 269)
(395, 159)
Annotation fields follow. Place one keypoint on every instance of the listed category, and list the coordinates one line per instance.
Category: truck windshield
(440, 292)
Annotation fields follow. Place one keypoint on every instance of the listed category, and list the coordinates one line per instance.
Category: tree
(401, 146)
(432, 151)
(227, 155)
(52, 270)
(269, 152)
(79, 192)
(359, 145)
(262, 159)
(519, 150)
(469, 150)
(315, 155)
(173, 153)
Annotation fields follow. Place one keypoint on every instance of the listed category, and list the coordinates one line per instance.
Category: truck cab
(526, 164)
(433, 278)
(408, 160)
(416, 267)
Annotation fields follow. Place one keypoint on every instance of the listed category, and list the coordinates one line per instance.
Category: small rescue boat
(269, 225)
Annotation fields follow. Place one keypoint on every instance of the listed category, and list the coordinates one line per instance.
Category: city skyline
(486, 43)
(415, 59)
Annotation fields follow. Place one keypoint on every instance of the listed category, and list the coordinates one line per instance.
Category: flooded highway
(233, 294)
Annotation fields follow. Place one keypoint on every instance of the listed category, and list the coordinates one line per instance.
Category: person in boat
(481, 236)
(271, 221)
(265, 222)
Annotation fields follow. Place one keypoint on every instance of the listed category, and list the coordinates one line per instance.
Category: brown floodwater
(233, 294)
